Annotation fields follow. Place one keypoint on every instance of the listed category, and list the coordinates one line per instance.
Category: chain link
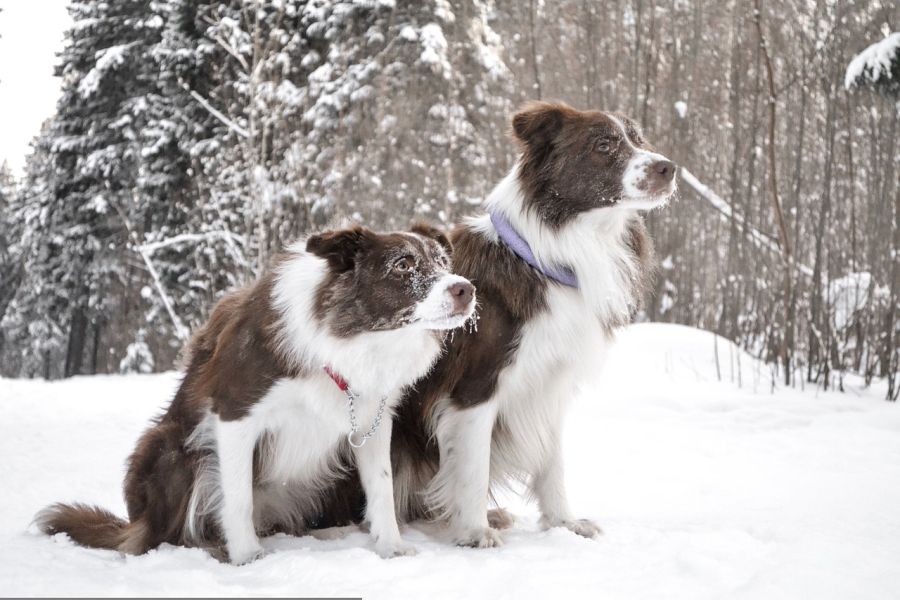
(354, 424)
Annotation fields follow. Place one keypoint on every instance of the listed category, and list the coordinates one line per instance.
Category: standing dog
(561, 260)
(260, 426)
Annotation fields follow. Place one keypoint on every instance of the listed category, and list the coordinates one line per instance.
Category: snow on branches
(877, 67)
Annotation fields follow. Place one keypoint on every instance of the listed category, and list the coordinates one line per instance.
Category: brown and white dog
(259, 427)
(560, 261)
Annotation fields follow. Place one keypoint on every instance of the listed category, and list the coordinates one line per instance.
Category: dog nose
(664, 169)
(462, 293)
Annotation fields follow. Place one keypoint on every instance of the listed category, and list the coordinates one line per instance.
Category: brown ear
(538, 123)
(435, 233)
(341, 247)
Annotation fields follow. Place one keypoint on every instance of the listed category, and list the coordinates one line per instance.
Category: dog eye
(403, 265)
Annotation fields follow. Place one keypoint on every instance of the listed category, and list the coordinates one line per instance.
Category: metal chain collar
(354, 424)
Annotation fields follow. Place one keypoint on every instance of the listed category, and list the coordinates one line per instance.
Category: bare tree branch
(217, 114)
(756, 237)
(180, 330)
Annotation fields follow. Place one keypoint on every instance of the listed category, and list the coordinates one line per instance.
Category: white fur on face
(635, 178)
(436, 310)
(637, 172)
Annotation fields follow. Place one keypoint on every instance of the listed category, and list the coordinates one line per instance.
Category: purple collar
(520, 247)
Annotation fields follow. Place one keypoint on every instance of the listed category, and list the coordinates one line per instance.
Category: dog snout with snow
(449, 303)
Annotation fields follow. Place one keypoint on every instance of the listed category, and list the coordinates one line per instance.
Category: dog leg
(235, 441)
(459, 491)
(550, 490)
(374, 464)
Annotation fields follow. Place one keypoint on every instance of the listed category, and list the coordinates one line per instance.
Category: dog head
(576, 161)
(385, 281)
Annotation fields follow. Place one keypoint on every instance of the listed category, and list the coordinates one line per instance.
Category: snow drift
(707, 483)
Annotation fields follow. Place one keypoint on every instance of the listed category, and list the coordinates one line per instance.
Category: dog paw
(244, 555)
(583, 527)
(482, 537)
(395, 549)
(500, 518)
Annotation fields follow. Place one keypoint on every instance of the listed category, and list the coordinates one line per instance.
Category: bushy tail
(92, 526)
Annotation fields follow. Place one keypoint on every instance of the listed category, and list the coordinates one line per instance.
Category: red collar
(337, 379)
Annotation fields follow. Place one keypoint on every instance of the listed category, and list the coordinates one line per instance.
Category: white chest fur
(563, 347)
(558, 351)
(305, 420)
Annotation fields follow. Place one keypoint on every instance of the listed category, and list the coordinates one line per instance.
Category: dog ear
(435, 233)
(537, 123)
(341, 247)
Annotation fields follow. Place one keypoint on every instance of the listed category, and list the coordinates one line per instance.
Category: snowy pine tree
(33, 324)
(10, 229)
(173, 179)
(195, 138)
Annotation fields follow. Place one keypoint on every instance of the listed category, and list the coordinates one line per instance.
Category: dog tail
(93, 527)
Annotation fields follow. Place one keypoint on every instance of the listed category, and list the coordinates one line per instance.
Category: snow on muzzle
(449, 303)
(649, 178)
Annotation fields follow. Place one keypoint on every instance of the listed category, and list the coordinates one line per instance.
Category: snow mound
(681, 354)
(707, 485)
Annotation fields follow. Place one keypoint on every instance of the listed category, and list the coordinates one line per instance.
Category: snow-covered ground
(705, 489)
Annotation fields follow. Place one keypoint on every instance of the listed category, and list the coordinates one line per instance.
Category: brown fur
(86, 525)
(237, 357)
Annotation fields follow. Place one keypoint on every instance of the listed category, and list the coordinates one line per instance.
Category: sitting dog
(561, 260)
(287, 384)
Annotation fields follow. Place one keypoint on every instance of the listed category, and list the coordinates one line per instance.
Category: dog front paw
(481, 537)
(244, 555)
(583, 527)
(394, 549)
